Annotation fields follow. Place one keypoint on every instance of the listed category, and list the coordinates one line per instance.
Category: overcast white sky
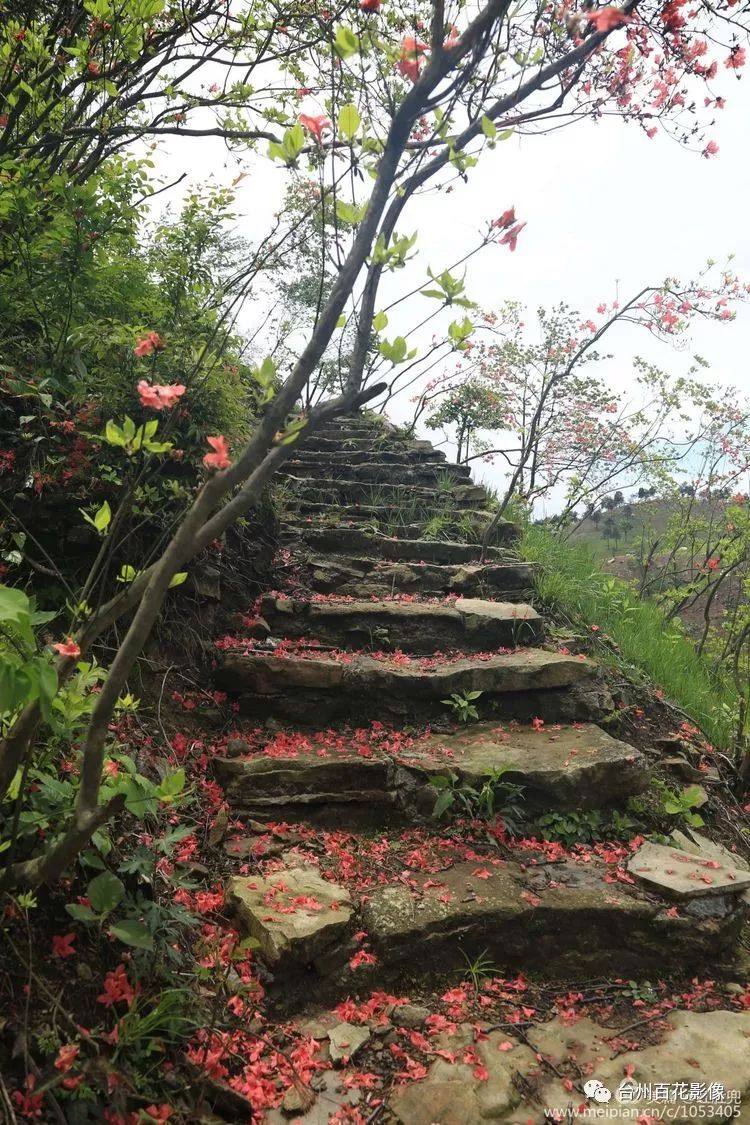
(604, 206)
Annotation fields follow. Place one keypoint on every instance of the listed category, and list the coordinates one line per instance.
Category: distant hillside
(621, 537)
(623, 529)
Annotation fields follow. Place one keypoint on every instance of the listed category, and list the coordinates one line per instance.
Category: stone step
(379, 472)
(443, 523)
(346, 430)
(511, 1086)
(315, 687)
(354, 541)
(409, 496)
(470, 624)
(508, 1074)
(338, 456)
(563, 919)
(363, 577)
(560, 767)
(564, 768)
(371, 446)
(569, 918)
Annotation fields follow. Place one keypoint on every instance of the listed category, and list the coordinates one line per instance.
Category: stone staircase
(343, 875)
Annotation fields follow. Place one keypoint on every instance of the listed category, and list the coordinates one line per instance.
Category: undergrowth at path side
(635, 635)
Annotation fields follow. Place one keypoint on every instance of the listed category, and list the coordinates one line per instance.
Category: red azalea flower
(159, 1113)
(507, 219)
(219, 459)
(62, 945)
(159, 397)
(510, 238)
(66, 1056)
(117, 988)
(369, 5)
(607, 19)
(316, 126)
(68, 647)
(409, 62)
(152, 342)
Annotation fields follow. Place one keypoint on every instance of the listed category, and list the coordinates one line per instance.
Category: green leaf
(113, 434)
(349, 121)
(103, 517)
(80, 913)
(178, 579)
(346, 43)
(105, 892)
(265, 372)
(127, 573)
(443, 802)
(293, 142)
(47, 681)
(170, 787)
(14, 606)
(292, 432)
(440, 781)
(350, 212)
(380, 321)
(396, 350)
(489, 128)
(132, 933)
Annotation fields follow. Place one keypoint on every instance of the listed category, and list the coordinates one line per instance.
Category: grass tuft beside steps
(570, 582)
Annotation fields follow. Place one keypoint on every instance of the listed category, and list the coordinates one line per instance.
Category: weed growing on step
(683, 803)
(496, 796)
(462, 705)
(446, 481)
(437, 527)
(479, 970)
(587, 826)
(642, 991)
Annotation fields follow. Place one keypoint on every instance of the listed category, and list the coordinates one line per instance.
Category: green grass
(572, 585)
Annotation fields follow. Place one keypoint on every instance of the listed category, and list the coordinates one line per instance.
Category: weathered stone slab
(579, 766)
(521, 685)
(306, 773)
(452, 1095)
(331, 1099)
(362, 577)
(263, 785)
(698, 1060)
(295, 914)
(685, 875)
(346, 1039)
(700, 1051)
(525, 670)
(578, 923)
(375, 469)
(353, 540)
(468, 623)
(333, 454)
(698, 844)
(350, 491)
